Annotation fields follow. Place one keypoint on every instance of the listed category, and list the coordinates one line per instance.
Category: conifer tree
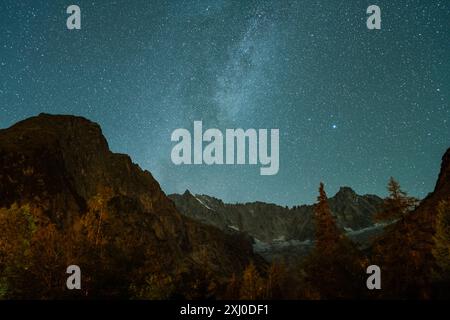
(275, 281)
(394, 251)
(397, 205)
(252, 287)
(327, 233)
(335, 268)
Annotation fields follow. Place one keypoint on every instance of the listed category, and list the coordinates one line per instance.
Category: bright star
(334, 126)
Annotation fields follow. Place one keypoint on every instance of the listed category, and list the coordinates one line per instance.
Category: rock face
(62, 164)
(419, 226)
(423, 219)
(63, 161)
(272, 223)
(443, 184)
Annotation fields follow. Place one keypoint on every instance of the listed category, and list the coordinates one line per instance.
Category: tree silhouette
(252, 286)
(397, 205)
(335, 268)
(394, 251)
(327, 233)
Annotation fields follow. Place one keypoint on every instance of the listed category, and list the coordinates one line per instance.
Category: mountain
(271, 223)
(66, 199)
(410, 240)
(60, 169)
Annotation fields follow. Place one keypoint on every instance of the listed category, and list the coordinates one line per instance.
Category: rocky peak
(69, 131)
(64, 161)
(443, 182)
(345, 193)
(267, 222)
(62, 165)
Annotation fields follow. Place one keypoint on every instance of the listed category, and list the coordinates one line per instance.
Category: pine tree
(397, 205)
(394, 250)
(275, 281)
(252, 287)
(327, 233)
(335, 268)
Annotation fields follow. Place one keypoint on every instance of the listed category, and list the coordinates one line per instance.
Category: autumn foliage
(112, 248)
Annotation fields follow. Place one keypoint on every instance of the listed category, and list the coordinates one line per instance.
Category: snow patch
(279, 239)
(203, 204)
(374, 227)
(260, 246)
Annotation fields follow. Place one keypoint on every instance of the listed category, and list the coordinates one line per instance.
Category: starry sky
(353, 106)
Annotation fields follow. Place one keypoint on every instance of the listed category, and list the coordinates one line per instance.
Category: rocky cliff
(62, 167)
(408, 244)
(272, 223)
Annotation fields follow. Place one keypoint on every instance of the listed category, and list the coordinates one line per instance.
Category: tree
(397, 205)
(17, 227)
(335, 267)
(277, 283)
(111, 242)
(252, 287)
(48, 259)
(32, 255)
(327, 233)
(199, 281)
(396, 252)
(156, 287)
(232, 288)
(441, 249)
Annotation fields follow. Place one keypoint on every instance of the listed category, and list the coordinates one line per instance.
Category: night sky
(353, 106)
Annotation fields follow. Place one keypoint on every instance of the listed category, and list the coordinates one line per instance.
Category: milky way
(353, 106)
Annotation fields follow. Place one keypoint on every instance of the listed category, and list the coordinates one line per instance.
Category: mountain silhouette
(66, 199)
(269, 222)
(61, 167)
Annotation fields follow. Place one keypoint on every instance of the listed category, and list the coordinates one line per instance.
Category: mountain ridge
(353, 212)
(61, 167)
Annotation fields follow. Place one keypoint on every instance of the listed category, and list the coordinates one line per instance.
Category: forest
(34, 253)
